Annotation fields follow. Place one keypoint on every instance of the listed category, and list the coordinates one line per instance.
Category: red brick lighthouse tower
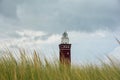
(65, 50)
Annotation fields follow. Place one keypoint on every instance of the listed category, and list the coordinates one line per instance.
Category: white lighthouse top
(65, 39)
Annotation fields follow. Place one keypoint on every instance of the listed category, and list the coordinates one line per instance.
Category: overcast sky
(91, 26)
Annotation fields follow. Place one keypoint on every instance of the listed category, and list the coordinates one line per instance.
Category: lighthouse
(65, 50)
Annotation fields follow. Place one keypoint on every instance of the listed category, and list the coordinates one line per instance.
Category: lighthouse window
(67, 53)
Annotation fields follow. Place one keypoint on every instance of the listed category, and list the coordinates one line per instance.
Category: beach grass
(34, 69)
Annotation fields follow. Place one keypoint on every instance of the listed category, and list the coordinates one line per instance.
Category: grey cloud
(13, 35)
(8, 8)
(61, 15)
(81, 15)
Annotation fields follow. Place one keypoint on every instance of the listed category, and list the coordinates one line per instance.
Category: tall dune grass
(118, 41)
(35, 69)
